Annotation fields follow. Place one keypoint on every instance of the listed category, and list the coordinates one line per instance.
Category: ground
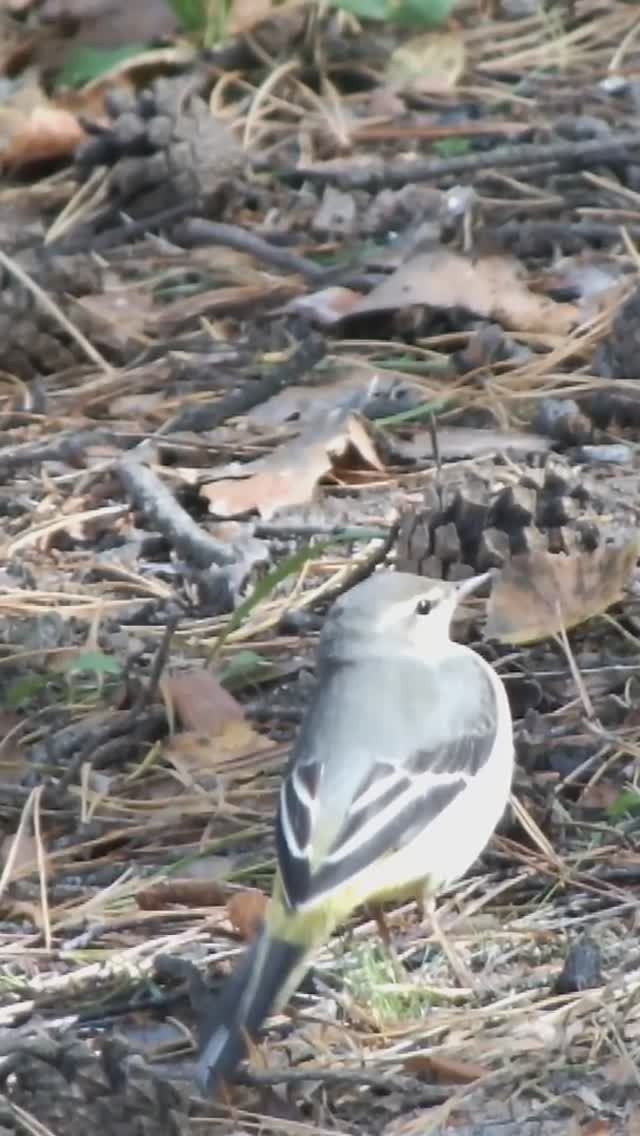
(291, 310)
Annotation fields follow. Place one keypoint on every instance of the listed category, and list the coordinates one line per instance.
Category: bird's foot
(376, 911)
(463, 975)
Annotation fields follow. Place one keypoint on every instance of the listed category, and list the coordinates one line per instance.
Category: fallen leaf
(446, 1070)
(202, 703)
(290, 474)
(597, 1126)
(353, 387)
(539, 593)
(194, 754)
(490, 286)
(38, 135)
(327, 306)
(187, 893)
(427, 64)
(246, 912)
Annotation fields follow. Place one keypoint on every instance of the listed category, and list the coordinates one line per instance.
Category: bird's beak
(468, 587)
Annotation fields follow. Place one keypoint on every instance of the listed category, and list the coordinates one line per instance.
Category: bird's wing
(418, 741)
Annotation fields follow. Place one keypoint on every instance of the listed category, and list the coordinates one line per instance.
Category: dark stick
(310, 351)
(198, 231)
(147, 493)
(378, 173)
(385, 1082)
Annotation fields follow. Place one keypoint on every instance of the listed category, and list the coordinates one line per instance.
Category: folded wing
(322, 843)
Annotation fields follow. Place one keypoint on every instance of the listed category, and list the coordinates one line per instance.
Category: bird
(400, 773)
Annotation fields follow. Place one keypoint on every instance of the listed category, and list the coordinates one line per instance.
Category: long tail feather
(247, 999)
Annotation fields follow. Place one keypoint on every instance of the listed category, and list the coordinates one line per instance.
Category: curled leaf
(540, 593)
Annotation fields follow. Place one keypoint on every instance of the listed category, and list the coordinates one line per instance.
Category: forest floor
(274, 315)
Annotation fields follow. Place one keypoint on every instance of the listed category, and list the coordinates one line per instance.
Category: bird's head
(399, 608)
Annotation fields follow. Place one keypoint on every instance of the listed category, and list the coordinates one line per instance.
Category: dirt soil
(289, 310)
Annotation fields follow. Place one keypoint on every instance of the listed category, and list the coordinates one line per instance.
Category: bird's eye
(423, 607)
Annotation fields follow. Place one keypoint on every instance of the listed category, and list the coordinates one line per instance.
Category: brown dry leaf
(327, 306)
(490, 286)
(246, 912)
(539, 593)
(597, 1126)
(194, 754)
(202, 703)
(187, 893)
(289, 475)
(427, 64)
(37, 135)
(446, 1070)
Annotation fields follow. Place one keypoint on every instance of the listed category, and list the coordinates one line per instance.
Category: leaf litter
(206, 314)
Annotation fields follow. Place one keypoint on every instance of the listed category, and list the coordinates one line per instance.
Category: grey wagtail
(401, 772)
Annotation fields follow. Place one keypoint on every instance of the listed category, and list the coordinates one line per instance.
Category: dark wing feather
(394, 796)
(400, 830)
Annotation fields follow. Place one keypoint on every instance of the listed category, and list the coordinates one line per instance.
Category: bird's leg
(376, 912)
(460, 970)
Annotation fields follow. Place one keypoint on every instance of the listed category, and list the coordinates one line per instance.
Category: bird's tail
(269, 971)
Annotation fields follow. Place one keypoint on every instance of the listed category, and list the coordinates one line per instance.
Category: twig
(365, 567)
(42, 868)
(563, 640)
(377, 174)
(198, 231)
(383, 1082)
(12, 853)
(119, 235)
(147, 493)
(310, 351)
